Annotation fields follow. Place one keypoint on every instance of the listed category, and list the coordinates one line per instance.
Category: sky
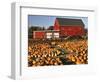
(46, 21)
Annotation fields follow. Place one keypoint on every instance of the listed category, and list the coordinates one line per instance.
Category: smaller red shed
(39, 34)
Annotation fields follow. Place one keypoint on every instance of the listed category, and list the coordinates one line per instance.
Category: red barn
(63, 27)
(69, 27)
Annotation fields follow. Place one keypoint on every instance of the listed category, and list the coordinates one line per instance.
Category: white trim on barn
(33, 34)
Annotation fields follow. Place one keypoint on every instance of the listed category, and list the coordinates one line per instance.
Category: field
(57, 52)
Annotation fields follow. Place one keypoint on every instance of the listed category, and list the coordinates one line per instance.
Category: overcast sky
(46, 21)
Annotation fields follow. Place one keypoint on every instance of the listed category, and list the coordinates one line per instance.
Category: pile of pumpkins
(78, 51)
(42, 54)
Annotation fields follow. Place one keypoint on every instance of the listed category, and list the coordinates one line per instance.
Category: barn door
(48, 35)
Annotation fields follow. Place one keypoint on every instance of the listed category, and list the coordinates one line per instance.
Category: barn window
(56, 35)
(49, 35)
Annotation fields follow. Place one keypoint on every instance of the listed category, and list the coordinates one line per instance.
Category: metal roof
(67, 21)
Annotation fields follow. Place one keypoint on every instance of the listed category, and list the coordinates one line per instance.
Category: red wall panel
(39, 34)
(71, 30)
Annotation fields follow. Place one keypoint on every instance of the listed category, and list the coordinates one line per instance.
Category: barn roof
(67, 21)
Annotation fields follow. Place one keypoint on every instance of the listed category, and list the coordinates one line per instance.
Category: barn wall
(71, 30)
(39, 35)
